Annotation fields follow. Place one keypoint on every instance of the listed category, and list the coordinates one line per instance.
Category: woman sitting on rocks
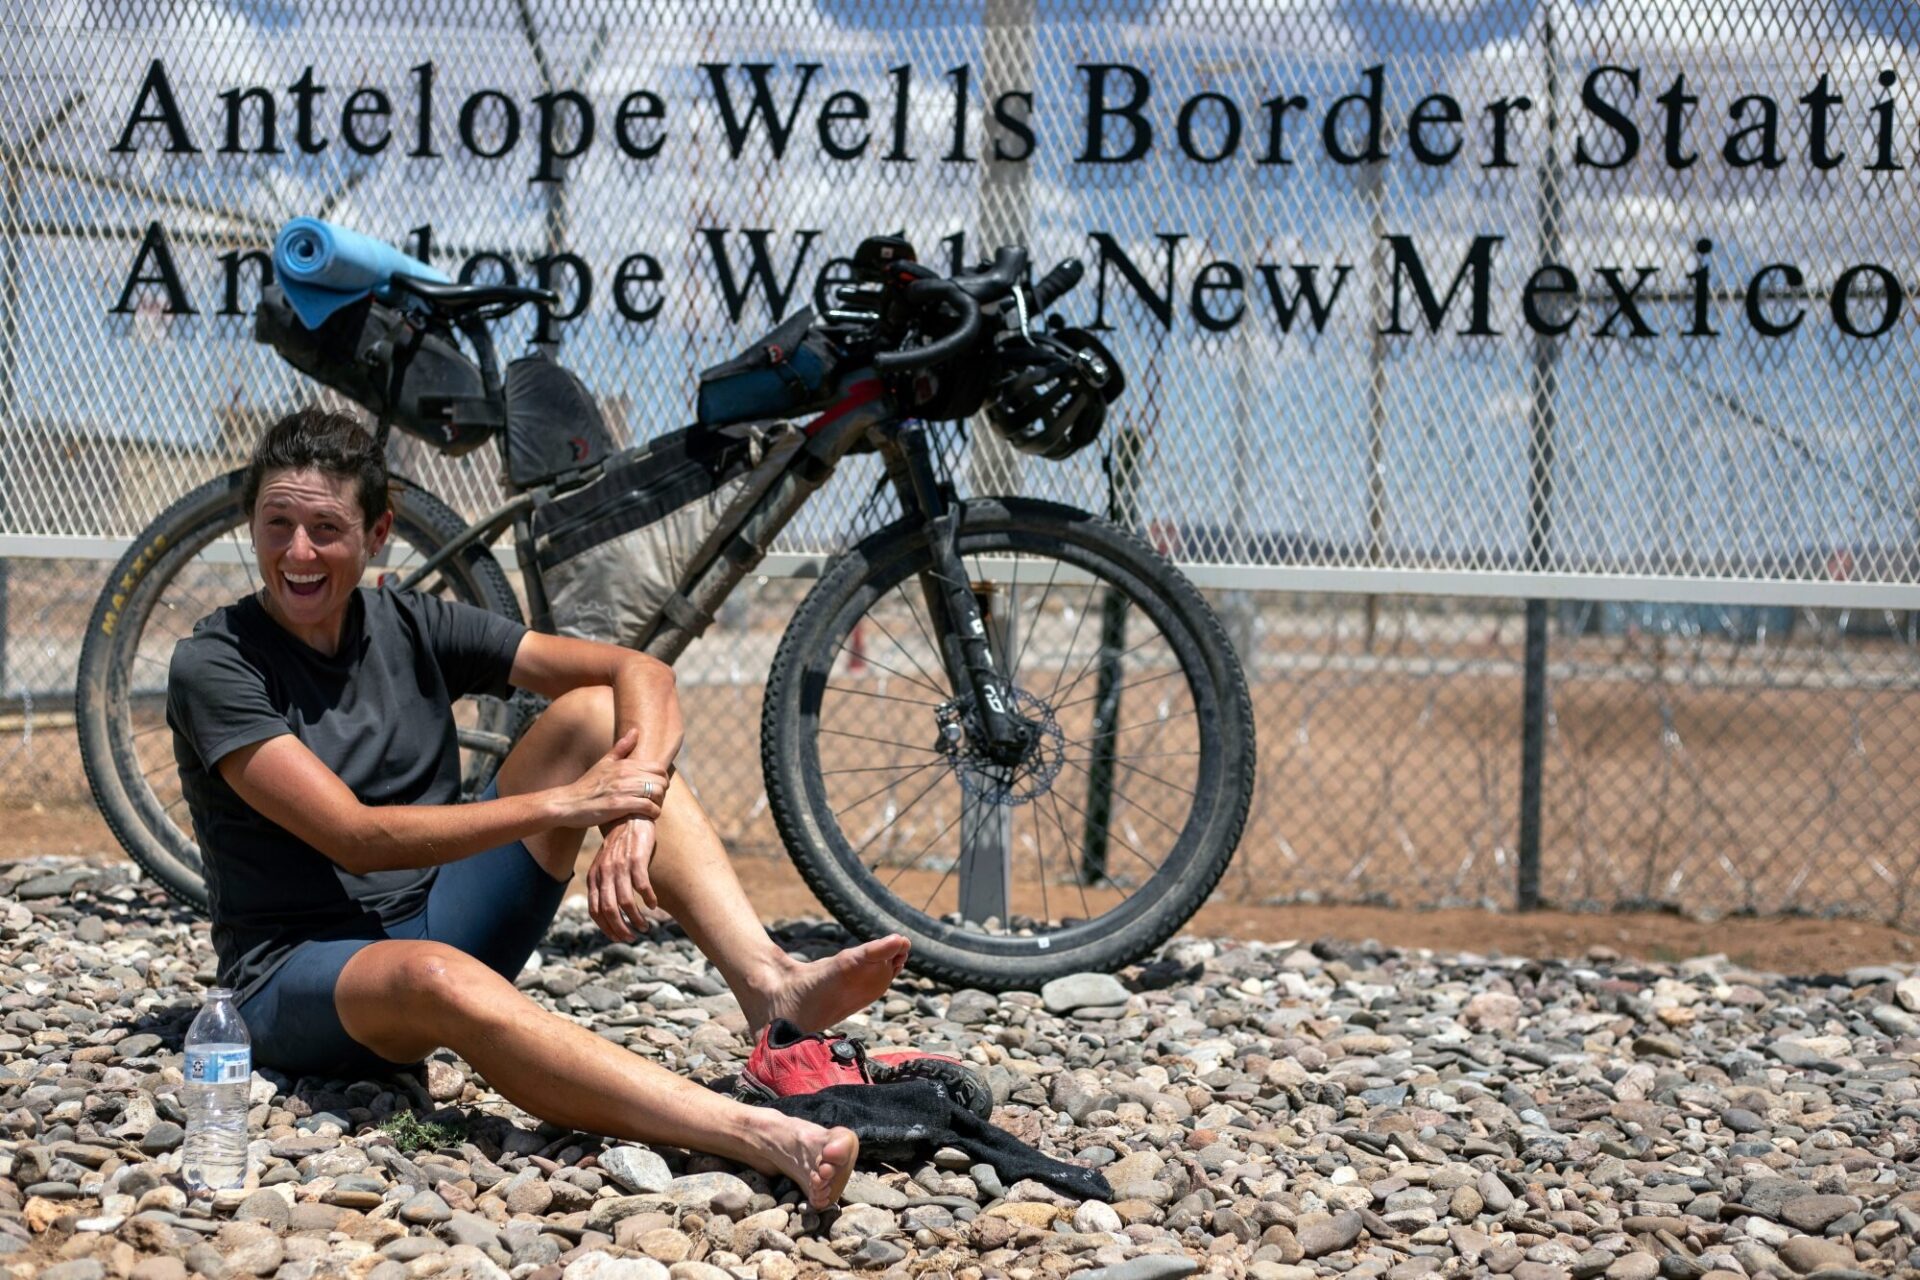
(366, 918)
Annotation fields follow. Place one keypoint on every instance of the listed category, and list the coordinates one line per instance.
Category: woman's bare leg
(405, 999)
(696, 883)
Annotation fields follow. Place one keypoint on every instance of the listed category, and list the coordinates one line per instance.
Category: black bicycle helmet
(1051, 394)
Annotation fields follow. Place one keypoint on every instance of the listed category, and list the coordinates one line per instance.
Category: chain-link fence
(1706, 759)
(1590, 301)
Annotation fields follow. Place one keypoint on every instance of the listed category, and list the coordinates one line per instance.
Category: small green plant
(410, 1133)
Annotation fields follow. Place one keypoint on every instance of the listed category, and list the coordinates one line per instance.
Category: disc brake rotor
(960, 739)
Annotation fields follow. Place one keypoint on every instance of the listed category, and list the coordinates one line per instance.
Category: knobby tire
(957, 951)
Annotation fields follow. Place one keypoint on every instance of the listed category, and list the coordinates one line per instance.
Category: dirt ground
(1790, 945)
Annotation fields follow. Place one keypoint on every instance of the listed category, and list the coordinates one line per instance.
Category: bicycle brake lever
(840, 315)
(1020, 309)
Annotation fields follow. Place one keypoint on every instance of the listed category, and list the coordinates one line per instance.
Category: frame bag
(554, 426)
(617, 555)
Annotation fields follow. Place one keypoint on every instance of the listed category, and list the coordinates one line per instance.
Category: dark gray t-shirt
(378, 713)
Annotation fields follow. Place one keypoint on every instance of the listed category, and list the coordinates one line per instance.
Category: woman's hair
(331, 443)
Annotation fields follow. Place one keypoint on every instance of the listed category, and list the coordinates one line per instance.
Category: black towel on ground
(906, 1119)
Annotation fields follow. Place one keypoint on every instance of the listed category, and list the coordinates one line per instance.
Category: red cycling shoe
(786, 1061)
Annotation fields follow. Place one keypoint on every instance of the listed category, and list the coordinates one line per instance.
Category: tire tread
(1011, 972)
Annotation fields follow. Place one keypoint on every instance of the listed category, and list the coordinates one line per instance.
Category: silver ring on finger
(646, 791)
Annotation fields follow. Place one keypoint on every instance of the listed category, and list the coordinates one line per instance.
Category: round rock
(604, 1266)
(1318, 1239)
(1147, 1267)
(1083, 990)
(637, 1170)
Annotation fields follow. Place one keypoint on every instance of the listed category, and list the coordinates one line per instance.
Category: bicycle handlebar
(1009, 264)
(1058, 282)
(962, 336)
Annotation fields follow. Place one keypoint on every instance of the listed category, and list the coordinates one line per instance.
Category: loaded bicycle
(1006, 728)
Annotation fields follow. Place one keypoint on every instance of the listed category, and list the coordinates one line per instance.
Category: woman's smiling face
(313, 546)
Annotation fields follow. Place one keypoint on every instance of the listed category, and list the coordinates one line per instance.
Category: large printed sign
(1589, 288)
(1619, 118)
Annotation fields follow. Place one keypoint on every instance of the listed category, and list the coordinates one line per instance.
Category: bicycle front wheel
(197, 556)
(1086, 854)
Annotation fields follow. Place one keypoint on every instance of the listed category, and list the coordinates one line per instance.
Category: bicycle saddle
(455, 300)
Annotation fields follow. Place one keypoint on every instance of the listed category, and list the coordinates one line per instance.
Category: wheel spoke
(914, 861)
(245, 556)
(1171, 786)
(1136, 804)
(904, 650)
(889, 670)
(1088, 669)
(898, 814)
(874, 768)
(985, 857)
(1067, 841)
(889, 742)
(1145, 724)
(884, 697)
(1066, 654)
(1040, 855)
(1039, 613)
(926, 632)
(1151, 866)
(889, 785)
(1131, 684)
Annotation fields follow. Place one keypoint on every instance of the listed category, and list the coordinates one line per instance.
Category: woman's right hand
(616, 787)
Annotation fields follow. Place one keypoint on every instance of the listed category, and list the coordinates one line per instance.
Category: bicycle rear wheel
(1088, 853)
(194, 558)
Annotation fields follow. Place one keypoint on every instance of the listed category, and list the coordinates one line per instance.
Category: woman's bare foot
(818, 1160)
(814, 996)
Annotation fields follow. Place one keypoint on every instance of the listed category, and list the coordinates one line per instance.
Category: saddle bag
(554, 425)
(786, 372)
(617, 555)
(441, 399)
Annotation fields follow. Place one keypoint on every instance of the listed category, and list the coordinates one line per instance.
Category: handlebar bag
(442, 399)
(554, 425)
(617, 554)
(785, 372)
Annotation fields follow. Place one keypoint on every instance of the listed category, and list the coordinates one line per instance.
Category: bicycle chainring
(961, 741)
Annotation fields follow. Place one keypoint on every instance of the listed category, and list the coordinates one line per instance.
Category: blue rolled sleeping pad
(322, 268)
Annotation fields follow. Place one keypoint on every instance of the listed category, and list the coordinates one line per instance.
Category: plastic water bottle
(219, 1069)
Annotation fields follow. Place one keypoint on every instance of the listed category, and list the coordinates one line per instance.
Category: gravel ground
(1265, 1111)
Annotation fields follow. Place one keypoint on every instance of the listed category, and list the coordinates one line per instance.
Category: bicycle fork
(980, 728)
(959, 624)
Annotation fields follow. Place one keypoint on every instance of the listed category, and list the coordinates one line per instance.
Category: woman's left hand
(619, 884)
